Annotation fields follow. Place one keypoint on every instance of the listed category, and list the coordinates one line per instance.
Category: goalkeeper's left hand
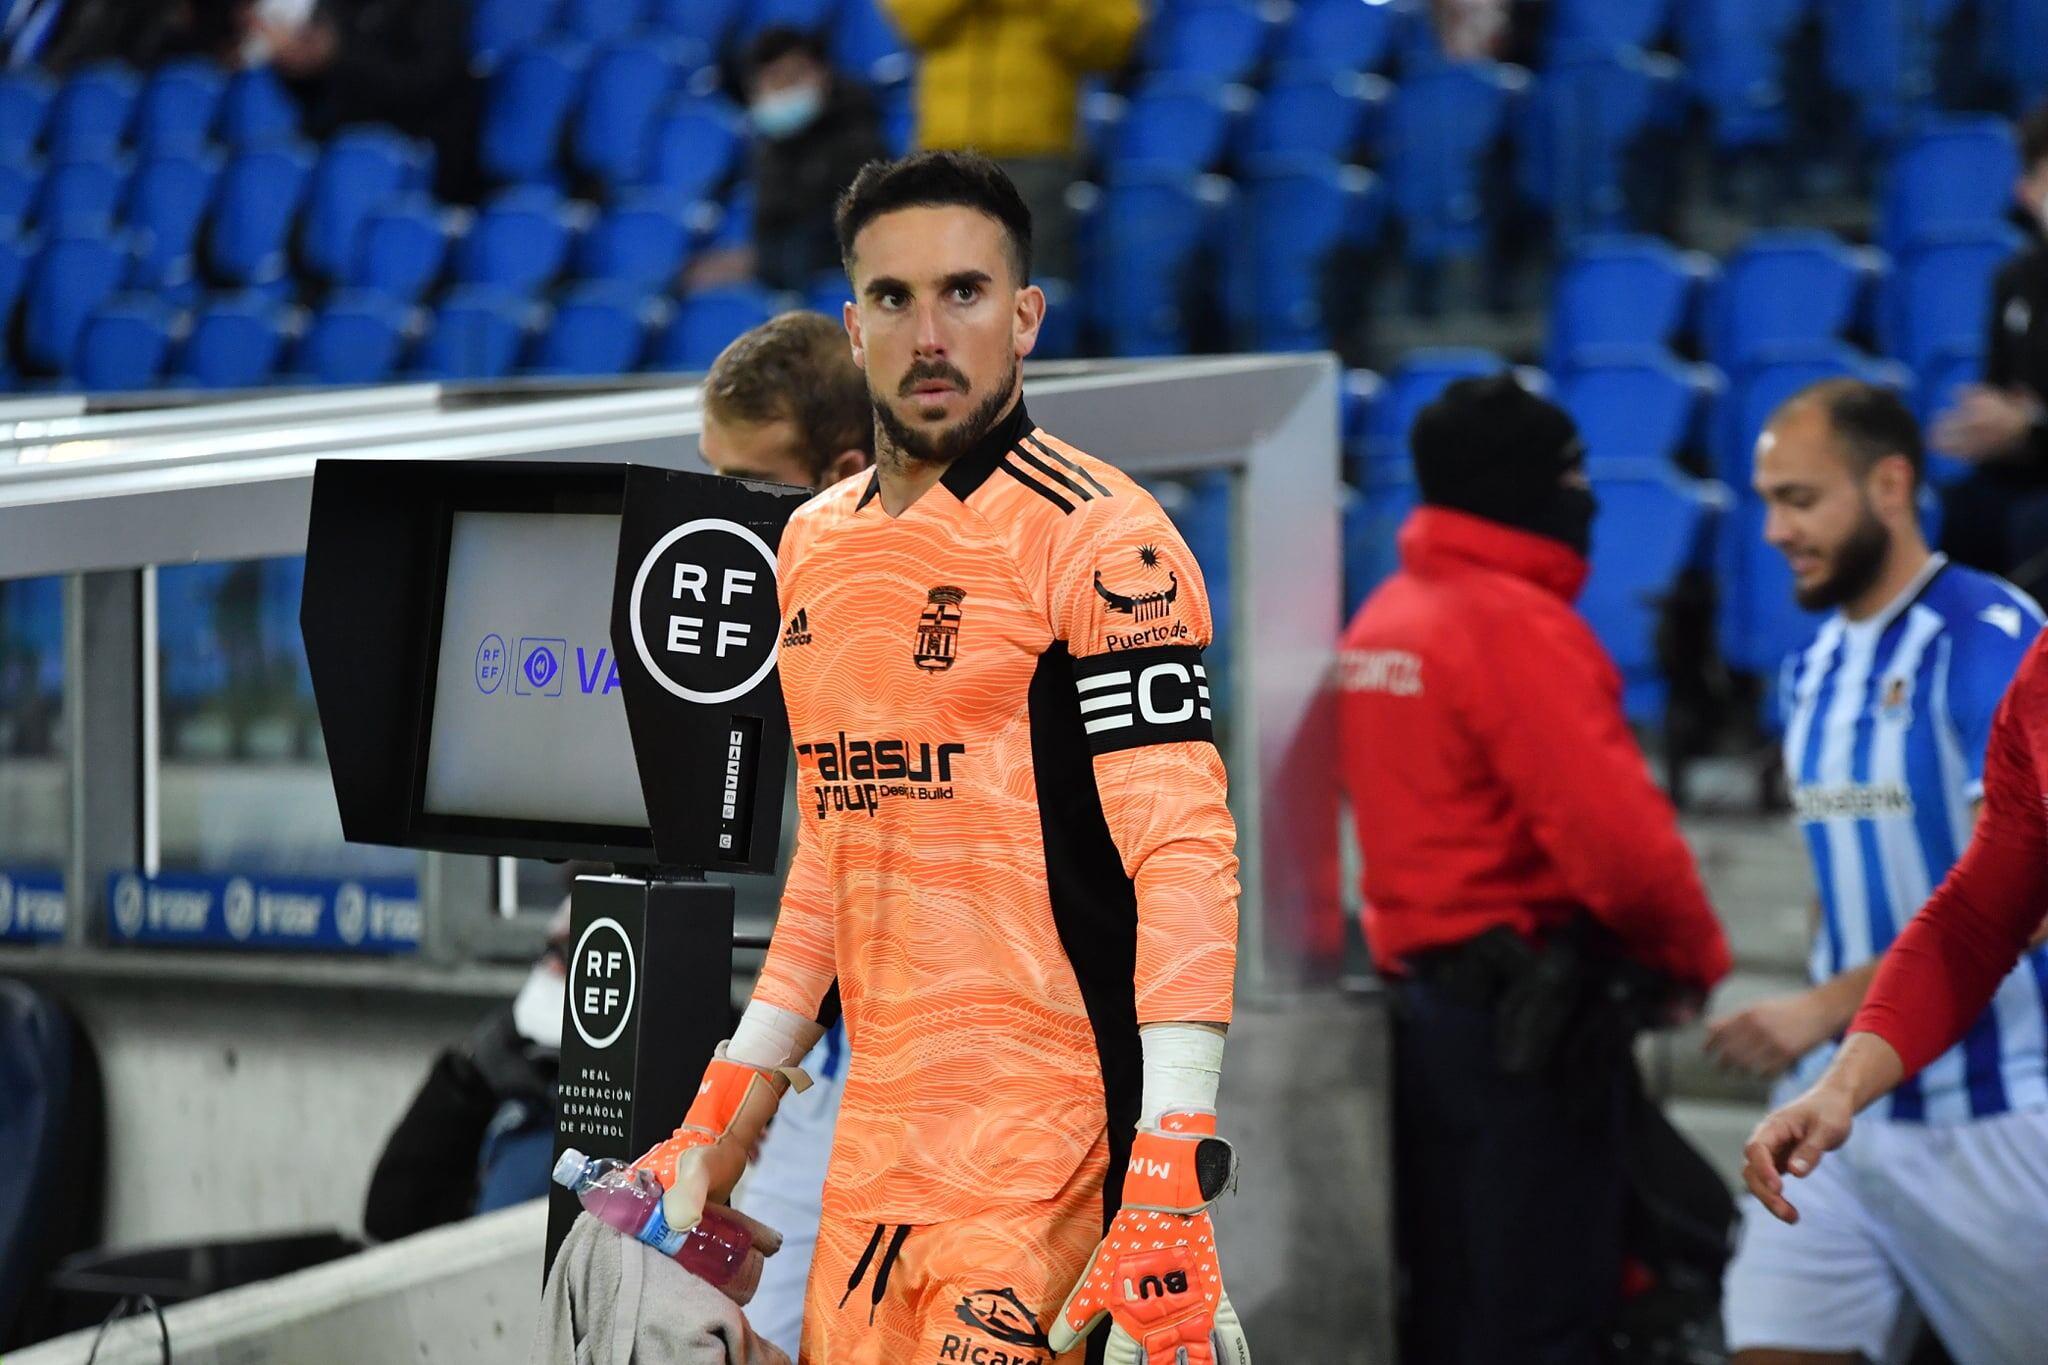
(1155, 1274)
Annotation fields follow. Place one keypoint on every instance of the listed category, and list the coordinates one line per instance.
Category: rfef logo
(490, 664)
(703, 611)
(602, 979)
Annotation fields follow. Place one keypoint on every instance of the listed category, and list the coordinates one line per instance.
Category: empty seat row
(180, 107)
(135, 342)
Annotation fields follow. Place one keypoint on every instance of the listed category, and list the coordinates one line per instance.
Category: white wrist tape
(1183, 1066)
(770, 1036)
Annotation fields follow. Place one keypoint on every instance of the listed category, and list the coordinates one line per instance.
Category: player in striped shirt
(1888, 711)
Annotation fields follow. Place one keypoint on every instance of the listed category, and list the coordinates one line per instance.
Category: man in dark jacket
(1996, 519)
(813, 131)
(1522, 873)
(402, 62)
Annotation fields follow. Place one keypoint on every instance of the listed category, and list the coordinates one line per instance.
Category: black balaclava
(1491, 448)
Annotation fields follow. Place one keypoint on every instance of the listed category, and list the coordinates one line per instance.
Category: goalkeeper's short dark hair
(936, 180)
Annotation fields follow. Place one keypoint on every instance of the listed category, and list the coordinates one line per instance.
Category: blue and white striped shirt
(1887, 722)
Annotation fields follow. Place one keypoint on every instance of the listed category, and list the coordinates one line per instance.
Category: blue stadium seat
(1151, 234)
(1224, 40)
(24, 109)
(865, 43)
(706, 322)
(1954, 177)
(1059, 335)
(1734, 53)
(708, 22)
(477, 334)
(733, 227)
(643, 241)
(399, 250)
(69, 277)
(597, 329)
(1360, 395)
(1653, 522)
(699, 145)
(357, 338)
(519, 242)
(1582, 27)
(616, 114)
(81, 196)
(1372, 518)
(235, 343)
(1939, 296)
(178, 106)
(1881, 54)
(1629, 411)
(15, 255)
(815, 15)
(1293, 215)
(124, 344)
(257, 112)
(500, 27)
(360, 171)
(1445, 123)
(1787, 286)
(91, 113)
(2014, 35)
(1588, 128)
(1314, 113)
(167, 202)
(1178, 122)
(899, 120)
(1340, 35)
(194, 666)
(1412, 386)
(601, 21)
(253, 212)
(1625, 292)
(526, 109)
(19, 183)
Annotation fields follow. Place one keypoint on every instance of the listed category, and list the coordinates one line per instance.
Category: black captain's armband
(1131, 698)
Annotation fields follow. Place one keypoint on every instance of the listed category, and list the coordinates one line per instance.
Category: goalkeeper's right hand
(706, 1157)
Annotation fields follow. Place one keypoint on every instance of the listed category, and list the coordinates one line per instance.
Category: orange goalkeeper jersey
(1013, 844)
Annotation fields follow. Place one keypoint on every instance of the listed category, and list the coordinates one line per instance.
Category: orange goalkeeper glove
(1155, 1275)
(701, 1162)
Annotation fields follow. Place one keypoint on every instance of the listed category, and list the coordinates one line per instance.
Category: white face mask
(537, 1009)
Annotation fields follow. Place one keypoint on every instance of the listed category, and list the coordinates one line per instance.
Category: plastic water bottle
(715, 1250)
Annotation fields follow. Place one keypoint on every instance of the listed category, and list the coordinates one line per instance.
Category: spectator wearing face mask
(813, 130)
(480, 1133)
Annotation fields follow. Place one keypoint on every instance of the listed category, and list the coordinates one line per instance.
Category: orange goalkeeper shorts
(980, 1290)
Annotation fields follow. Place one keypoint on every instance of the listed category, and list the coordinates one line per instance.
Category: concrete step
(1761, 884)
(1718, 1129)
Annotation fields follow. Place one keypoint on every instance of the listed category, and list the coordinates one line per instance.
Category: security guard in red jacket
(1524, 882)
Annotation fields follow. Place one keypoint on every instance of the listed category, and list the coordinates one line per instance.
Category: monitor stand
(649, 998)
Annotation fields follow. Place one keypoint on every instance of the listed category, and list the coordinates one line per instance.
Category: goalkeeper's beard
(950, 444)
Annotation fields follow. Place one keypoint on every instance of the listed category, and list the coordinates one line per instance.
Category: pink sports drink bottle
(715, 1250)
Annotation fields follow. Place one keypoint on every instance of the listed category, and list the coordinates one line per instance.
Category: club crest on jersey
(938, 630)
(1141, 607)
(1897, 702)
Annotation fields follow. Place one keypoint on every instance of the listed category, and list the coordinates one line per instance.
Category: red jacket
(1490, 769)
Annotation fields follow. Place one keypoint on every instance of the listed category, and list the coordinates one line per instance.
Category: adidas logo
(799, 632)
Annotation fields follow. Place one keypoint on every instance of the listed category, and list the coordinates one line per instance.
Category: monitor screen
(528, 721)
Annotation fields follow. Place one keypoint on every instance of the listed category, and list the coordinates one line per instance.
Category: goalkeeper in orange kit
(1014, 853)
